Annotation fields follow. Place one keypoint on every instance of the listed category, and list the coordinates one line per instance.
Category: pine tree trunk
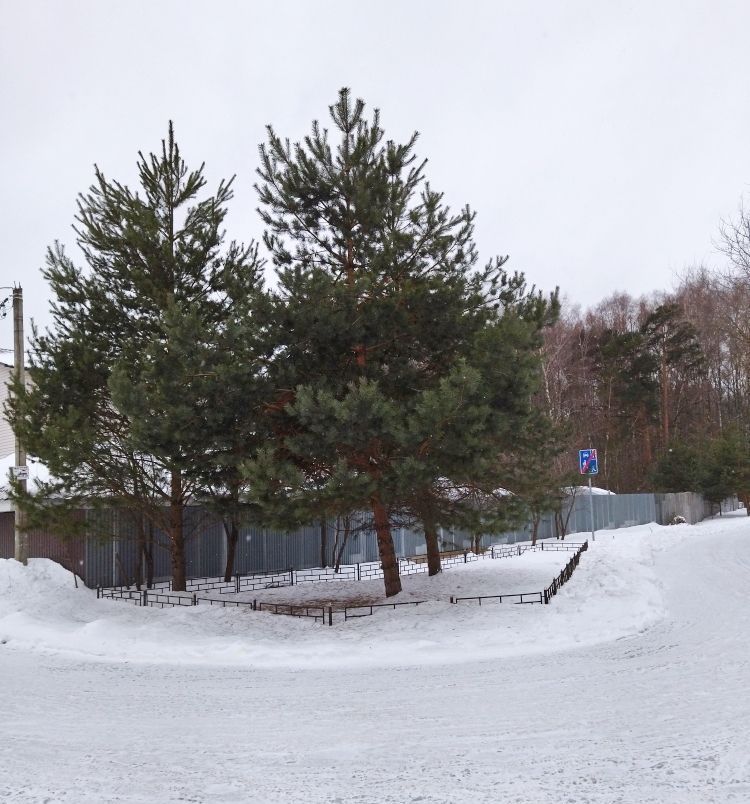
(647, 453)
(338, 550)
(534, 529)
(664, 403)
(385, 548)
(140, 547)
(323, 543)
(433, 546)
(233, 534)
(177, 533)
(148, 554)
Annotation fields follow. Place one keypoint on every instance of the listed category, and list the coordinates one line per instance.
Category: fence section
(325, 614)
(111, 553)
(564, 576)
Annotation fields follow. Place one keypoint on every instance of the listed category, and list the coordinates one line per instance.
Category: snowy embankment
(614, 593)
(631, 687)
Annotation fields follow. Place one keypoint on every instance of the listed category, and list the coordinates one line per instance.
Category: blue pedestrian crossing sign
(588, 463)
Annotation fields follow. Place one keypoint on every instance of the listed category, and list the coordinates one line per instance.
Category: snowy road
(659, 716)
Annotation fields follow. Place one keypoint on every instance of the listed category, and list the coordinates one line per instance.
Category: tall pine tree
(379, 299)
(120, 402)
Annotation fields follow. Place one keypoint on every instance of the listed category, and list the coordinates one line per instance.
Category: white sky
(599, 142)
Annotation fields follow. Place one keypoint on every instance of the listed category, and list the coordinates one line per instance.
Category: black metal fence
(521, 597)
(565, 574)
(535, 597)
(163, 597)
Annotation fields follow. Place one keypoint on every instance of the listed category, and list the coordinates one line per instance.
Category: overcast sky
(600, 142)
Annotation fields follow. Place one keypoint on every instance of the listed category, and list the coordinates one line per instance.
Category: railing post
(359, 572)
(195, 599)
(237, 583)
(330, 615)
(452, 599)
(144, 598)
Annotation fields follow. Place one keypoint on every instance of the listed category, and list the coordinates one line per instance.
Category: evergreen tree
(379, 301)
(534, 476)
(725, 467)
(680, 468)
(673, 343)
(468, 468)
(625, 378)
(123, 400)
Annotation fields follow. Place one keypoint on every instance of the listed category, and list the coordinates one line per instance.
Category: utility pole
(21, 537)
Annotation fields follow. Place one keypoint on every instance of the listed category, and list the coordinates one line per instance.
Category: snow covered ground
(632, 686)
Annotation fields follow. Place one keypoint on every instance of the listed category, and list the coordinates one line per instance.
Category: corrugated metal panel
(7, 534)
(109, 555)
(70, 552)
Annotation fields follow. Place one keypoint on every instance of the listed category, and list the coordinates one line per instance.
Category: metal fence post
(144, 598)
(330, 615)
(359, 572)
(195, 599)
(237, 583)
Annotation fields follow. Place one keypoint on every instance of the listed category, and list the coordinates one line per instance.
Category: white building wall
(7, 440)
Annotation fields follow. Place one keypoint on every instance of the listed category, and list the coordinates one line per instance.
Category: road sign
(588, 463)
(21, 472)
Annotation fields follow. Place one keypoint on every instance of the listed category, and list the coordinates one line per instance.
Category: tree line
(661, 384)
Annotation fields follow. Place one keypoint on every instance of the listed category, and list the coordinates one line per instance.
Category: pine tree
(534, 476)
(674, 344)
(680, 468)
(379, 302)
(122, 393)
(468, 467)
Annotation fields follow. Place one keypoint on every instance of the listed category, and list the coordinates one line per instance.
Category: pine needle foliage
(121, 402)
(383, 320)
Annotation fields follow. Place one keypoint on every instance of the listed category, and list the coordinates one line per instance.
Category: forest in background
(659, 384)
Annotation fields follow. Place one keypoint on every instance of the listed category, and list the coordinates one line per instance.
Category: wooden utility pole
(21, 537)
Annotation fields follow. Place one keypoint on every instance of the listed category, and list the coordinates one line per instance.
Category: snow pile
(614, 593)
(594, 490)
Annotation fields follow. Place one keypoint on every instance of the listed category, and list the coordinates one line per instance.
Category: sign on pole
(588, 463)
(21, 472)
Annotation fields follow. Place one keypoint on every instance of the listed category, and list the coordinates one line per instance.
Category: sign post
(588, 464)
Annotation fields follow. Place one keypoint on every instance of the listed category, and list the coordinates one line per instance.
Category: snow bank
(615, 592)
(595, 490)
